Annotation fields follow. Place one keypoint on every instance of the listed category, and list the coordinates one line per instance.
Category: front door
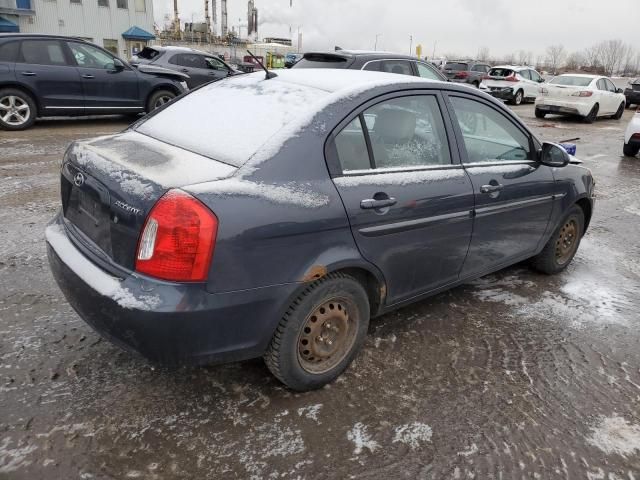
(514, 192)
(105, 88)
(45, 66)
(408, 199)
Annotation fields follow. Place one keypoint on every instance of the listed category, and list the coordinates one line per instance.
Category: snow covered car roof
(232, 119)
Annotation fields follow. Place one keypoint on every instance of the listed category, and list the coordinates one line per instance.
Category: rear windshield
(500, 72)
(231, 119)
(322, 61)
(571, 81)
(148, 53)
(456, 66)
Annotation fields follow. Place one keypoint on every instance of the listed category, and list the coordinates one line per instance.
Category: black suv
(373, 61)
(46, 75)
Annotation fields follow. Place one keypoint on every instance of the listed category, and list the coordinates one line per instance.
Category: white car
(515, 84)
(632, 137)
(588, 96)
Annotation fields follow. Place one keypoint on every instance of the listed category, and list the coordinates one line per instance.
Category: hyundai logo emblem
(78, 179)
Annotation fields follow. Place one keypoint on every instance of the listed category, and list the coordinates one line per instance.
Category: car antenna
(268, 73)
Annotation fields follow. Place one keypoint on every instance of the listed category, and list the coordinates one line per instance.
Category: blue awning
(8, 26)
(136, 33)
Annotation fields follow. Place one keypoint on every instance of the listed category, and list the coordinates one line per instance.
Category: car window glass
(190, 60)
(352, 147)
(602, 85)
(610, 86)
(42, 52)
(91, 57)
(477, 68)
(525, 74)
(406, 132)
(426, 72)
(9, 51)
(535, 76)
(401, 67)
(214, 63)
(488, 135)
(373, 66)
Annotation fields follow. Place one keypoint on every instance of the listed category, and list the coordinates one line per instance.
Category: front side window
(214, 63)
(425, 72)
(9, 51)
(42, 52)
(488, 135)
(91, 57)
(610, 86)
(525, 74)
(111, 45)
(535, 76)
(189, 60)
(404, 132)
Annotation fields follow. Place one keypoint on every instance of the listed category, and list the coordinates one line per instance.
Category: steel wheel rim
(327, 336)
(14, 110)
(567, 241)
(162, 100)
(518, 98)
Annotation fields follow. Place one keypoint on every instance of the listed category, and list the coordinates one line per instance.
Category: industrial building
(121, 26)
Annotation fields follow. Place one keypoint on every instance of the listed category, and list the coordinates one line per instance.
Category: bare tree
(612, 52)
(592, 57)
(510, 59)
(483, 54)
(524, 57)
(555, 56)
(574, 61)
(629, 66)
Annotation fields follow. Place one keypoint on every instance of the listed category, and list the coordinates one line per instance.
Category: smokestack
(252, 18)
(214, 20)
(176, 19)
(223, 18)
(207, 19)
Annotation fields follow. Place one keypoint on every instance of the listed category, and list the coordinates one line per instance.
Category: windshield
(500, 72)
(231, 119)
(456, 66)
(571, 81)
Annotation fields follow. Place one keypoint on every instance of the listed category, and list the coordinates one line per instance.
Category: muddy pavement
(517, 375)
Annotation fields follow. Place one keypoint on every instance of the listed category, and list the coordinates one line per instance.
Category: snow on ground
(616, 435)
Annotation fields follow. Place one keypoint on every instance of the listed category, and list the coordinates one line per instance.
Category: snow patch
(616, 435)
(96, 278)
(472, 450)
(632, 209)
(311, 412)
(11, 459)
(361, 438)
(413, 434)
(402, 178)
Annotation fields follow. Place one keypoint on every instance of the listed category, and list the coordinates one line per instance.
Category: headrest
(395, 125)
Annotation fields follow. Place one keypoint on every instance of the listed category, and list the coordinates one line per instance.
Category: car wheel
(159, 98)
(519, 96)
(628, 104)
(563, 244)
(320, 334)
(540, 113)
(630, 151)
(476, 84)
(619, 113)
(593, 114)
(18, 110)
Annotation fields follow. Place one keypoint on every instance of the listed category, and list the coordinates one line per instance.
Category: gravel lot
(517, 375)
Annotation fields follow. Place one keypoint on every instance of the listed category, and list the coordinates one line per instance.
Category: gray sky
(458, 26)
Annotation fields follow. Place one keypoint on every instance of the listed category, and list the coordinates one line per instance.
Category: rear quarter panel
(576, 183)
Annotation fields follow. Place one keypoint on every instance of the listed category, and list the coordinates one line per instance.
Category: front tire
(518, 98)
(630, 150)
(320, 334)
(593, 114)
(158, 99)
(18, 109)
(619, 113)
(559, 251)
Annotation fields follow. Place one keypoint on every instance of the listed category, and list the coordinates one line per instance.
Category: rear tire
(320, 334)
(559, 251)
(630, 151)
(18, 110)
(158, 99)
(620, 112)
(476, 84)
(540, 113)
(593, 114)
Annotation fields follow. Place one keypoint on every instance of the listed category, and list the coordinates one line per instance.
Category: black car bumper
(502, 94)
(167, 323)
(632, 96)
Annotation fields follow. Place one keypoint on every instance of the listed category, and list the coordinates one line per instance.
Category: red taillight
(512, 78)
(462, 75)
(178, 239)
(486, 77)
(583, 93)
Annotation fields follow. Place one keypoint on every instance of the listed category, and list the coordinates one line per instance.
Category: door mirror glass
(619, 90)
(118, 66)
(540, 80)
(553, 155)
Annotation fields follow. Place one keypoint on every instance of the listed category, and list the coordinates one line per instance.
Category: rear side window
(488, 135)
(404, 132)
(602, 85)
(322, 61)
(500, 72)
(42, 52)
(9, 51)
(400, 67)
(456, 66)
(189, 60)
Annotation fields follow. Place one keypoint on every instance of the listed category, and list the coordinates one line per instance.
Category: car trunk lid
(110, 184)
(455, 69)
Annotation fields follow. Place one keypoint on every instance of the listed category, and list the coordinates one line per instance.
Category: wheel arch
(163, 86)
(25, 89)
(587, 209)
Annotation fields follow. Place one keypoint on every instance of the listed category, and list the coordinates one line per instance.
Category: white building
(121, 26)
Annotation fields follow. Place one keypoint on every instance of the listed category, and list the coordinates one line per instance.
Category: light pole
(376, 45)
(410, 44)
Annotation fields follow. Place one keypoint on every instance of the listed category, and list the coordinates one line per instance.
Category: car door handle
(28, 74)
(371, 203)
(491, 188)
(185, 70)
(88, 76)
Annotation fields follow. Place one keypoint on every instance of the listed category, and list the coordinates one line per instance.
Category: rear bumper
(632, 97)
(502, 94)
(552, 105)
(167, 323)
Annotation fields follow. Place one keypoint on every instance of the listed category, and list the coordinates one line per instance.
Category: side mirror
(619, 90)
(118, 66)
(541, 80)
(553, 155)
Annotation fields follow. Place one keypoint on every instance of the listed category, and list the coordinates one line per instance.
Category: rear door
(514, 193)
(216, 69)
(408, 199)
(46, 67)
(194, 65)
(613, 96)
(104, 87)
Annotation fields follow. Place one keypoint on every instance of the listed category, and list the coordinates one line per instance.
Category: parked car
(466, 71)
(46, 75)
(586, 96)
(201, 67)
(350, 195)
(632, 93)
(371, 61)
(515, 84)
(290, 59)
(632, 136)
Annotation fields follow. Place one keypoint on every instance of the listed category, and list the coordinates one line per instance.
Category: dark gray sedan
(205, 234)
